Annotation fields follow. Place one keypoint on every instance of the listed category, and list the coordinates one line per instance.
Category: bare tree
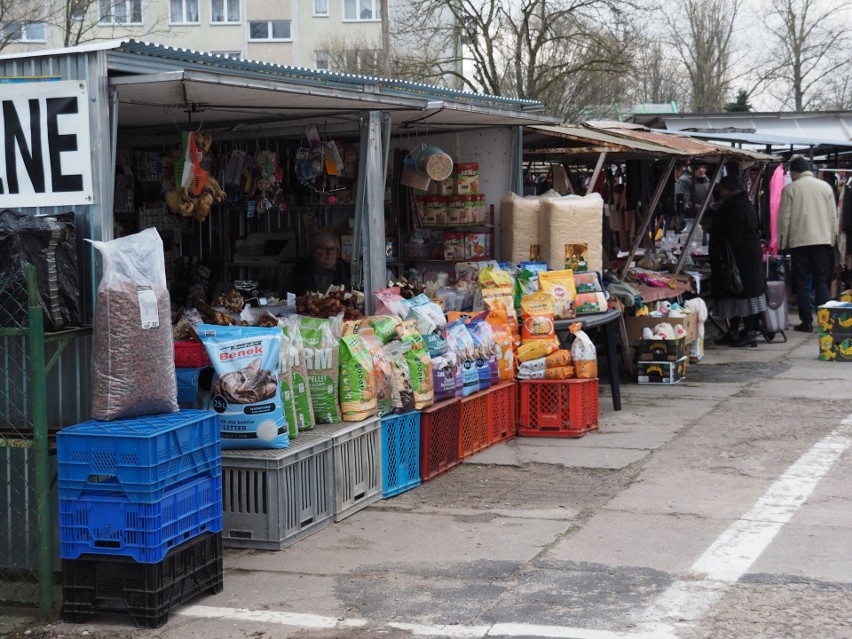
(18, 18)
(355, 55)
(657, 77)
(812, 41)
(534, 49)
(701, 32)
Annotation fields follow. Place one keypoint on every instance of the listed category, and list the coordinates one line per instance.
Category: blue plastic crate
(109, 524)
(142, 456)
(400, 453)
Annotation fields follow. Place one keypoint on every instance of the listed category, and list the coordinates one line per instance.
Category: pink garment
(776, 185)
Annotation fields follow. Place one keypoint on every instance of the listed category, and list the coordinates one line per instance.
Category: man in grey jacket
(807, 227)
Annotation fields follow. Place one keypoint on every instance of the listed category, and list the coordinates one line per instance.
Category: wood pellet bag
(133, 351)
(357, 380)
(303, 410)
(322, 355)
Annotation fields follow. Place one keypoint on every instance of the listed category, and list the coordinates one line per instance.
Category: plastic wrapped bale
(571, 220)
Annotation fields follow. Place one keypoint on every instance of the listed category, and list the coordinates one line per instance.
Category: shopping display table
(606, 320)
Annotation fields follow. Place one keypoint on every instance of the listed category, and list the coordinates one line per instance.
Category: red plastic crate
(473, 424)
(439, 438)
(566, 408)
(190, 353)
(503, 412)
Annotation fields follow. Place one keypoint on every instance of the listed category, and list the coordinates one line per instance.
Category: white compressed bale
(571, 220)
(519, 225)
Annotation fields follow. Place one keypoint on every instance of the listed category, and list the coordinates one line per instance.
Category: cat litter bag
(245, 390)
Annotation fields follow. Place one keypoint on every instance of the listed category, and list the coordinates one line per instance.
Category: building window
(320, 7)
(225, 11)
(361, 10)
(183, 11)
(269, 30)
(24, 31)
(365, 61)
(231, 55)
(121, 11)
(323, 60)
(78, 10)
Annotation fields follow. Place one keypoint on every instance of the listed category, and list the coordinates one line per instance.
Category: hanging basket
(412, 177)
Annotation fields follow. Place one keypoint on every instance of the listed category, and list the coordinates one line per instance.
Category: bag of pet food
(588, 282)
(562, 372)
(560, 358)
(303, 410)
(537, 314)
(402, 394)
(501, 299)
(245, 390)
(382, 372)
(285, 382)
(430, 322)
(486, 352)
(526, 283)
(505, 351)
(391, 302)
(133, 354)
(527, 369)
(466, 352)
(444, 369)
(583, 353)
(419, 365)
(560, 286)
(321, 348)
(357, 380)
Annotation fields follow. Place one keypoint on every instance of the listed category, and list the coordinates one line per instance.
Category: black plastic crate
(147, 592)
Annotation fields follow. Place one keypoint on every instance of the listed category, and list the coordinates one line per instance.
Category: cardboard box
(476, 245)
(662, 372)
(454, 246)
(661, 350)
(835, 348)
(634, 326)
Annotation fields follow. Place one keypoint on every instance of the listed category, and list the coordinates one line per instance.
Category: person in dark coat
(736, 222)
(322, 269)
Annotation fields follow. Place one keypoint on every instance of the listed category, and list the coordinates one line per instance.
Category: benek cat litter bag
(245, 388)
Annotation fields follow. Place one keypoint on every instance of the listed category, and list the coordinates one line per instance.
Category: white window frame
(230, 55)
(376, 16)
(320, 14)
(111, 17)
(23, 29)
(269, 31)
(225, 4)
(184, 21)
(325, 56)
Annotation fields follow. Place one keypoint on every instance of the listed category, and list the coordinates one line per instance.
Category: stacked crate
(140, 514)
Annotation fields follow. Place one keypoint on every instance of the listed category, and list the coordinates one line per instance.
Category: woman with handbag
(737, 281)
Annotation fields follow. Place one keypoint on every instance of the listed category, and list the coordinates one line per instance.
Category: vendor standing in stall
(691, 190)
(322, 269)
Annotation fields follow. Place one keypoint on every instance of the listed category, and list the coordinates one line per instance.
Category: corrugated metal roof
(765, 139)
(299, 74)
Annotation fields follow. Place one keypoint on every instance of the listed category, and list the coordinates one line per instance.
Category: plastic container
(502, 412)
(439, 438)
(143, 456)
(357, 465)
(109, 525)
(273, 498)
(190, 353)
(565, 408)
(473, 424)
(400, 453)
(147, 592)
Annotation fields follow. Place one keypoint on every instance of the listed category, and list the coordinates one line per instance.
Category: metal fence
(26, 540)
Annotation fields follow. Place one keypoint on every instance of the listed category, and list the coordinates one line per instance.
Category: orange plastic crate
(566, 408)
(439, 438)
(502, 412)
(474, 424)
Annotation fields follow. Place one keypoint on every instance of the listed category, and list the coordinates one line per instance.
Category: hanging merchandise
(434, 162)
(195, 191)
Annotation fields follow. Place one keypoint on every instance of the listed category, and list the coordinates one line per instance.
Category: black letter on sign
(59, 143)
(14, 133)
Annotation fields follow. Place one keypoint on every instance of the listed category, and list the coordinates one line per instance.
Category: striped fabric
(729, 307)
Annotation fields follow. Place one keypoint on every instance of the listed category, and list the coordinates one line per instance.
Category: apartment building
(309, 33)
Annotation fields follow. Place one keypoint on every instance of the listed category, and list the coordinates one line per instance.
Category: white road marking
(684, 602)
(736, 549)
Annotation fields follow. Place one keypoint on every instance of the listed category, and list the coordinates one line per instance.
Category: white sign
(45, 155)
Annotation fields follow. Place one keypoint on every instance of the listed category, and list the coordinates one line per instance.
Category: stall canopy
(623, 141)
